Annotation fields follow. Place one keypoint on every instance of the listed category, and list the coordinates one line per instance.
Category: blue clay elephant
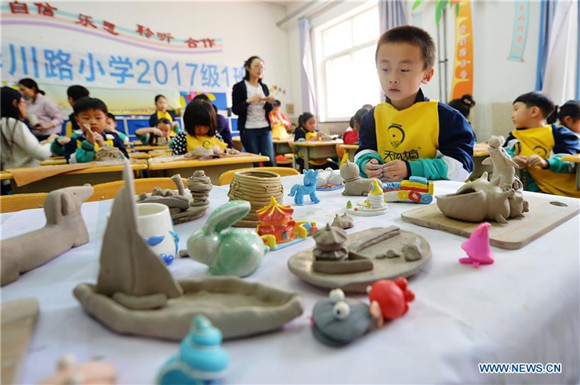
(227, 251)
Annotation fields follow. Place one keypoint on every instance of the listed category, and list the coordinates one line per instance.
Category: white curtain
(560, 77)
(391, 14)
(306, 68)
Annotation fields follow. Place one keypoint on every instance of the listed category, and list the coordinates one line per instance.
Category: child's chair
(17, 202)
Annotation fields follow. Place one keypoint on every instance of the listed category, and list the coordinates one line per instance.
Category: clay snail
(227, 251)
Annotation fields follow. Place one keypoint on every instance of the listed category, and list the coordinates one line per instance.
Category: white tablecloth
(523, 308)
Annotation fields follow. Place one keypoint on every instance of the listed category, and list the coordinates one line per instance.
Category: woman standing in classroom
(44, 116)
(252, 103)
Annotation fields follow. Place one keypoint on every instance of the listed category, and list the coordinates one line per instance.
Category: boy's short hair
(277, 103)
(88, 103)
(76, 92)
(112, 117)
(537, 99)
(157, 97)
(410, 35)
(199, 113)
(163, 121)
(202, 97)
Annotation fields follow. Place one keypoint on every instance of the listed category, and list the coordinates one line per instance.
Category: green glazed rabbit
(227, 251)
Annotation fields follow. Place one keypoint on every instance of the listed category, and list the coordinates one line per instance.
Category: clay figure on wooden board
(504, 168)
(227, 251)
(354, 184)
(499, 199)
(308, 188)
(64, 229)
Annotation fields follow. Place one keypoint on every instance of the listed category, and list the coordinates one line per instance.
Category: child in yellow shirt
(200, 123)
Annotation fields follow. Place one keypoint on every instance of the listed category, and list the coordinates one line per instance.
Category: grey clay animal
(64, 229)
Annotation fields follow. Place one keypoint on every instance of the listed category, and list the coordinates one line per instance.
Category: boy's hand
(63, 140)
(395, 170)
(537, 161)
(521, 160)
(99, 139)
(374, 169)
(157, 132)
(88, 133)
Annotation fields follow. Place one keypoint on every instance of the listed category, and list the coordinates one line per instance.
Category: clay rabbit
(64, 229)
(227, 251)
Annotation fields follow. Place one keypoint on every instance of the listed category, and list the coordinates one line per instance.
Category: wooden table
(351, 149)
(315, 150)
(148, 148)
(574, 159)
(53, 161)
(213, 167)
(92, 175)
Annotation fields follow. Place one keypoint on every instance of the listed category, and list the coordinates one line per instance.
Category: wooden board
(18, 318)
(542, 217)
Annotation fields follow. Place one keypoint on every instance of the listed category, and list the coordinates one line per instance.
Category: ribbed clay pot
(256, 187)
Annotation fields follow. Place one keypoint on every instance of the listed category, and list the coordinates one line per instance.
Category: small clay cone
(477, 247)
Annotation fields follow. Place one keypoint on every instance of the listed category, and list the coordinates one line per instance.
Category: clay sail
(127, 263)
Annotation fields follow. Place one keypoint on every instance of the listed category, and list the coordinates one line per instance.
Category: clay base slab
(335, 187)
(542, 217)
(237, 308)
(384, 268)
(18, 318)
(367, 212)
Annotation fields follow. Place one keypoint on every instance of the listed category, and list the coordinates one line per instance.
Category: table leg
(306, 158)
(577, 176)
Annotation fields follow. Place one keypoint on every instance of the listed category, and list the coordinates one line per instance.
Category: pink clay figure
(477, 247)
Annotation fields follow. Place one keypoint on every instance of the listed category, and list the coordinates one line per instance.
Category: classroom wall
(245, 29)
(497, 81)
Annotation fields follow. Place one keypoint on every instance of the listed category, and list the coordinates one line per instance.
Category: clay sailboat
(136, 294)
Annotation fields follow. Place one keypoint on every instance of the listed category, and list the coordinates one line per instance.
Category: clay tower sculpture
(277, 220)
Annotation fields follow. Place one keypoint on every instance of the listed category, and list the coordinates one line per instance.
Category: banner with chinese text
(463, 67)
(520, 32)
(64, 65)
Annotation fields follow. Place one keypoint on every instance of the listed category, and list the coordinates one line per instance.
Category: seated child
(538, 147)
(91, 116)
(161, 134)
(223, 131)
(112, 127)
(307, 131)
(280, 122)
(350, 136)
(162, 112)
(410, 135)
(569, 115)
(74, 93)
(200, 123)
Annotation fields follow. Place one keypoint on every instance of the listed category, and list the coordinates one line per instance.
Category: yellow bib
(540, 141)
(204, 141)
(166, 115)
(410, 134)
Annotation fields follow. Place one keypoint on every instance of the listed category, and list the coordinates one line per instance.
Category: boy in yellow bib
(537, 147)
(410, 135)
(200, 123)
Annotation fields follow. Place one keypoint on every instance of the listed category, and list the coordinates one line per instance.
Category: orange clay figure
(89, 373)
(392, 297)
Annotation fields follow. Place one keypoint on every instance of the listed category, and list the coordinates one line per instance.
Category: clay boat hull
(454, 206)
(237, 308)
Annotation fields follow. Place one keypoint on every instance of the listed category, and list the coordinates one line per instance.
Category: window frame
(320, 60)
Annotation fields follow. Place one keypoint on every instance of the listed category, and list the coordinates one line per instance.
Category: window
(345, 64)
